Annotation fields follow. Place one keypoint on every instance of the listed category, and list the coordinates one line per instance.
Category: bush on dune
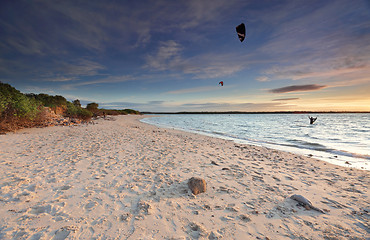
(57, 103)
(16, 109)
(101, 112)
(92, 107)
(75, 111)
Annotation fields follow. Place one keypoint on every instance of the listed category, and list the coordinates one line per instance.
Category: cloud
(285, 99)
(297, 88)
(208, 66)
(317, 44)
(262, 79)
(193, 90)
(319, 69)
(105, 80)
(81, 67)
(220, 106)
(167, 56)
(67, 70)
(165, 106)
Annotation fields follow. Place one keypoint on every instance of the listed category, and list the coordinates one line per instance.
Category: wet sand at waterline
(124, 179)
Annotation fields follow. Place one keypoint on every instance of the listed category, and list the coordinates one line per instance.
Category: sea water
(342, 139)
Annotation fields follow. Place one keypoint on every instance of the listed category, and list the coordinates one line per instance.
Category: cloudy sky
(164, 55)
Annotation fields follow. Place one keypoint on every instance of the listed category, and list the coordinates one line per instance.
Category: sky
(169, 56)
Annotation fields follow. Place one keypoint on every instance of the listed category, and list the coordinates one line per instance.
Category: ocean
(338, 138)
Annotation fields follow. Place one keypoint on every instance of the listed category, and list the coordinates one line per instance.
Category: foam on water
(342, 139)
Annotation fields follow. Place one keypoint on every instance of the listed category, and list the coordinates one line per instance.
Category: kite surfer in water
(312, 119)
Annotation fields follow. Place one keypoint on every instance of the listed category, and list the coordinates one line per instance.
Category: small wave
(350, 154)
(309, 145)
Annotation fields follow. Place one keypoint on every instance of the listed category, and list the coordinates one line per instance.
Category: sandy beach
(123, 179)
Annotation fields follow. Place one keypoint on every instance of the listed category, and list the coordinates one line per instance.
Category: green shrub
(85, 114)
(77, 103)
(49, 101)
(15, 104)
(78, 112)
(130, 111)
(92, 107)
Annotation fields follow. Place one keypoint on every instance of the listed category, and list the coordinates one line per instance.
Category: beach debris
(214, 163)
(305, 203)
(197, 185)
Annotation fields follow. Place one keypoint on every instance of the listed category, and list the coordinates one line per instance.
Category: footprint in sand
(65, 187)
(64, 232)
(41, 209)
(31, 188)
(90, 205)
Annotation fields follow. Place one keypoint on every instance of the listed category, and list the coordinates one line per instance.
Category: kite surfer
(312, 119)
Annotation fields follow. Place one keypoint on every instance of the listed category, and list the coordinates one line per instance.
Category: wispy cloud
(262, 79)
(193, 90)
(169, 57)
(68, 70)
(104, 80)
(298, 51)
(298, 88)
(285, 99)
(165, 106)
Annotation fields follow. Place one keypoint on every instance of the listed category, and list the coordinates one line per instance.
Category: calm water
(342, 139)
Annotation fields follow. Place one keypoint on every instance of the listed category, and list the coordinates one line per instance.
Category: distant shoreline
(240, 112)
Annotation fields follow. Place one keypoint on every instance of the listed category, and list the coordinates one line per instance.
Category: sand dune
(124, 179)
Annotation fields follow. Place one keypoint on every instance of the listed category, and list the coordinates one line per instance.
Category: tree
(92, 107)
(77, 103)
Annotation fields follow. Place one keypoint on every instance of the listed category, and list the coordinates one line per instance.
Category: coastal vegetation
(18, 110)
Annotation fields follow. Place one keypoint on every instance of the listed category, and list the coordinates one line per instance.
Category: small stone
(197, 185)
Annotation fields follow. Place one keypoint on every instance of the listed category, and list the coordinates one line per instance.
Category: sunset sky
(168, 55)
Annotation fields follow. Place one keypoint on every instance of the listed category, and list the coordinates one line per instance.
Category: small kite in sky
(221, 83)
(240, 29)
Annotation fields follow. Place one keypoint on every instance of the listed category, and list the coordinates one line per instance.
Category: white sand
(125, 179)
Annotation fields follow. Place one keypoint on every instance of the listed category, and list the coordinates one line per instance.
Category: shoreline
(128, 179)
(333, 156)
